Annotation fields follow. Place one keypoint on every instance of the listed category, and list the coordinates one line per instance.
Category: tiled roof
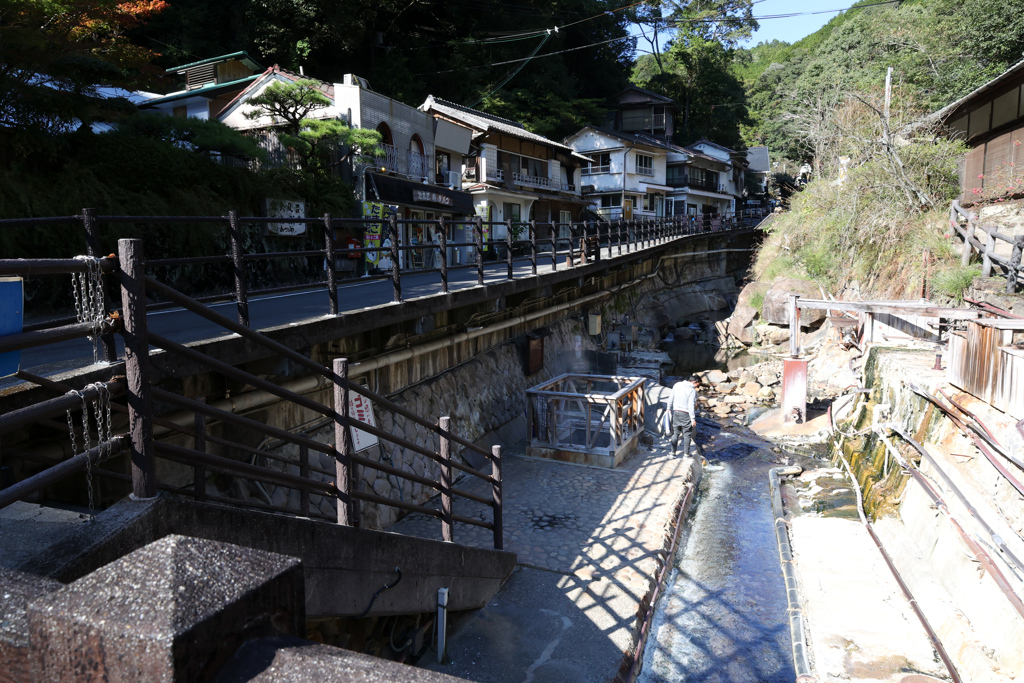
(326, 88)
(485, 122)
(650, 93)
(240, 56)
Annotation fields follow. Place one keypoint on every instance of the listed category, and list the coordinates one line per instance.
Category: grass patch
(955, 280)
(757, 301)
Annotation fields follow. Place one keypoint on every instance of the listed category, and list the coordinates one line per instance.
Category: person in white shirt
(681, 415)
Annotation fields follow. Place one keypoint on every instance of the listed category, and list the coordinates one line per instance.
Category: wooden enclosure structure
(984, 363)
(585, 419)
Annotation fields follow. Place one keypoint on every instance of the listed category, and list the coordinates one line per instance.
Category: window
(637, 119)
(564, 219)
(511, 211)
(602, 163)
(644, 164)
(675, 175)
(385, 133)
(610, 200)
(650, 202)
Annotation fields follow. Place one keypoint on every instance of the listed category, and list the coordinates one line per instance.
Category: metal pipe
(932, 636)
(797, 632)
(55, 406)
(51, 475)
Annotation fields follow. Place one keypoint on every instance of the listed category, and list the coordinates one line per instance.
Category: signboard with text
(360, 408)
(375, 233)
(484, 211)
(286, 208)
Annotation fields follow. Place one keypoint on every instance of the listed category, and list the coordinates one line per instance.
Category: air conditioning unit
(587, 189)
(455, 180)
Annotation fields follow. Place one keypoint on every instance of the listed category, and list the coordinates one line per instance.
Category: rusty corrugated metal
(976, 363)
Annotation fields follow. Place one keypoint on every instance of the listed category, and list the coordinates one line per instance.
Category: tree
(57, 54)
(289, 105)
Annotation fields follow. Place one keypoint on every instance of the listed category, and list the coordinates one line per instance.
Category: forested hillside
(883, 177)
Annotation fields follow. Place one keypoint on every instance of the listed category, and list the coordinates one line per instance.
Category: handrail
(1012, 266)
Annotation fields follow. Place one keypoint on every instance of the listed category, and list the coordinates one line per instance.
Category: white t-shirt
(683, 398)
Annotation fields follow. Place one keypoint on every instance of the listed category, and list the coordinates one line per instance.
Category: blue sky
(792, 29)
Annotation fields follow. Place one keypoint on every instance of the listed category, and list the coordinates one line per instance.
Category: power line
(789, 15)
(524, 59)
(513, 74)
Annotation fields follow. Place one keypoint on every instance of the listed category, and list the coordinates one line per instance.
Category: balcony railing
(648, 122)
(389, 158)
(695, 183)
(644, 170)
(531, 180)
(419, 165)
(568, 187)
(592, 170)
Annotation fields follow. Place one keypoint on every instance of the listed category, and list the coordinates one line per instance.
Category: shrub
(954, 281)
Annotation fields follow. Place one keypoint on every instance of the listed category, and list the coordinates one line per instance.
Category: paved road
(279, 309)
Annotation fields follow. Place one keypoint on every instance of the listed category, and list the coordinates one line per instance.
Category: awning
(397, 191)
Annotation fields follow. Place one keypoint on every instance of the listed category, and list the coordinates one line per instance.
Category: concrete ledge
(609, 459)
(343, 566)
(18, 590)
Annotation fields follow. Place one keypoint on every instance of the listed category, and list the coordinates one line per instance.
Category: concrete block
(18, 590)
(174, 610)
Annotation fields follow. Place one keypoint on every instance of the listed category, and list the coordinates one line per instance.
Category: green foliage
(954, 280)
(288, 104)
(200, 135)
(696, 72)
(757, 302)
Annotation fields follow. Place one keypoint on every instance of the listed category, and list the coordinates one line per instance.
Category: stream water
(723, 616)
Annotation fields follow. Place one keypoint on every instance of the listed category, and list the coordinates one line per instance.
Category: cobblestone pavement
(606, 530)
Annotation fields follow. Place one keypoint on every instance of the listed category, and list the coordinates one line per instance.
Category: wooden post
(965, 256)
(509, 243)
(136, 365)
(304, 473)
(442, 240)
(199, 469)
(478, 233)
(108, 346)
(1015, 257)
(332, 273)
(396, 268)
(447, 523)
(794, 325)
(990, 248)
(238, 267)
(499, 536)
(343, 446)
(555, 229)
(618, 235)
(533, 247)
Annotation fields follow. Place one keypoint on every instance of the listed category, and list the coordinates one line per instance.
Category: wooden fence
(1011, 266)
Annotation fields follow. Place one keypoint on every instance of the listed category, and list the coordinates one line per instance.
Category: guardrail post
(332, 273)
(508, 247)
(499, 535)
(478, 235)
(554, 229)
(990, 248)
(304, 473)
(238, 267)
(618, 235)
(533, 247)
(572, 250)
(108, 346)
(199, 469)
(396, 267)
(597, 235)
(442, 244)
(136, 365)
(343, 446)
(447, 523)
(965, 255)
(1015, 257)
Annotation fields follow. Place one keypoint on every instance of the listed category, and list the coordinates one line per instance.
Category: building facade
(991, 121)
(209, 86)
(513, 175)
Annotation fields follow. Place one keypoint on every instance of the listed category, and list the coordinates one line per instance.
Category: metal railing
(1010, 265)
(139, 396)
(585, 412)
(419, 165)
(388, 157)
(531, 180)
(593, 170)
(644, 170)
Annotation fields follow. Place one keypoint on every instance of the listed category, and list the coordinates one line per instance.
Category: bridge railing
(392, 248)
(132, 395)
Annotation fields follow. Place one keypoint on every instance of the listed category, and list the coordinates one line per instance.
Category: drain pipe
(797, 632)
(932, 636)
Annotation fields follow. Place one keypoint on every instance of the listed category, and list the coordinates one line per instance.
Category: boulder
(751, 389)
(726, 387)
(748, 293)
(735, 399)
(779, 335)
(683, 333)
(716, 301)
(715, 376)
(766, 392)
(722, 410)
(741, 324)
(776, 302)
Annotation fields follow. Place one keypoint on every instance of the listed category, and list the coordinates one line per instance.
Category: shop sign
(286, 208)
(432, 197)
(361, 409)
(375, 231)
(484, 211)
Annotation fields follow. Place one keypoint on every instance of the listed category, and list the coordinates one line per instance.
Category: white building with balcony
(706, 179)
(513, 174)
(626, 178)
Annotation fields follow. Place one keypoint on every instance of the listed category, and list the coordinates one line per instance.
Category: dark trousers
(683, 427)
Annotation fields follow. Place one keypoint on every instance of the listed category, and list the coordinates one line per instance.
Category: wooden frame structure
(585, 419)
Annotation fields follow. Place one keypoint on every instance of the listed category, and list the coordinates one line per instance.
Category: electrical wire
(525, 59)
(514, 72)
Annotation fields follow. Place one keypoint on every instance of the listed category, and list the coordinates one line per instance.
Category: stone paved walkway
(605, 532)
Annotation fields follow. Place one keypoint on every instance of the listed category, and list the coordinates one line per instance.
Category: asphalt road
(184, 326)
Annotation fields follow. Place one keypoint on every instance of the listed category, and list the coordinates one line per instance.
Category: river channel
(723, 616)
